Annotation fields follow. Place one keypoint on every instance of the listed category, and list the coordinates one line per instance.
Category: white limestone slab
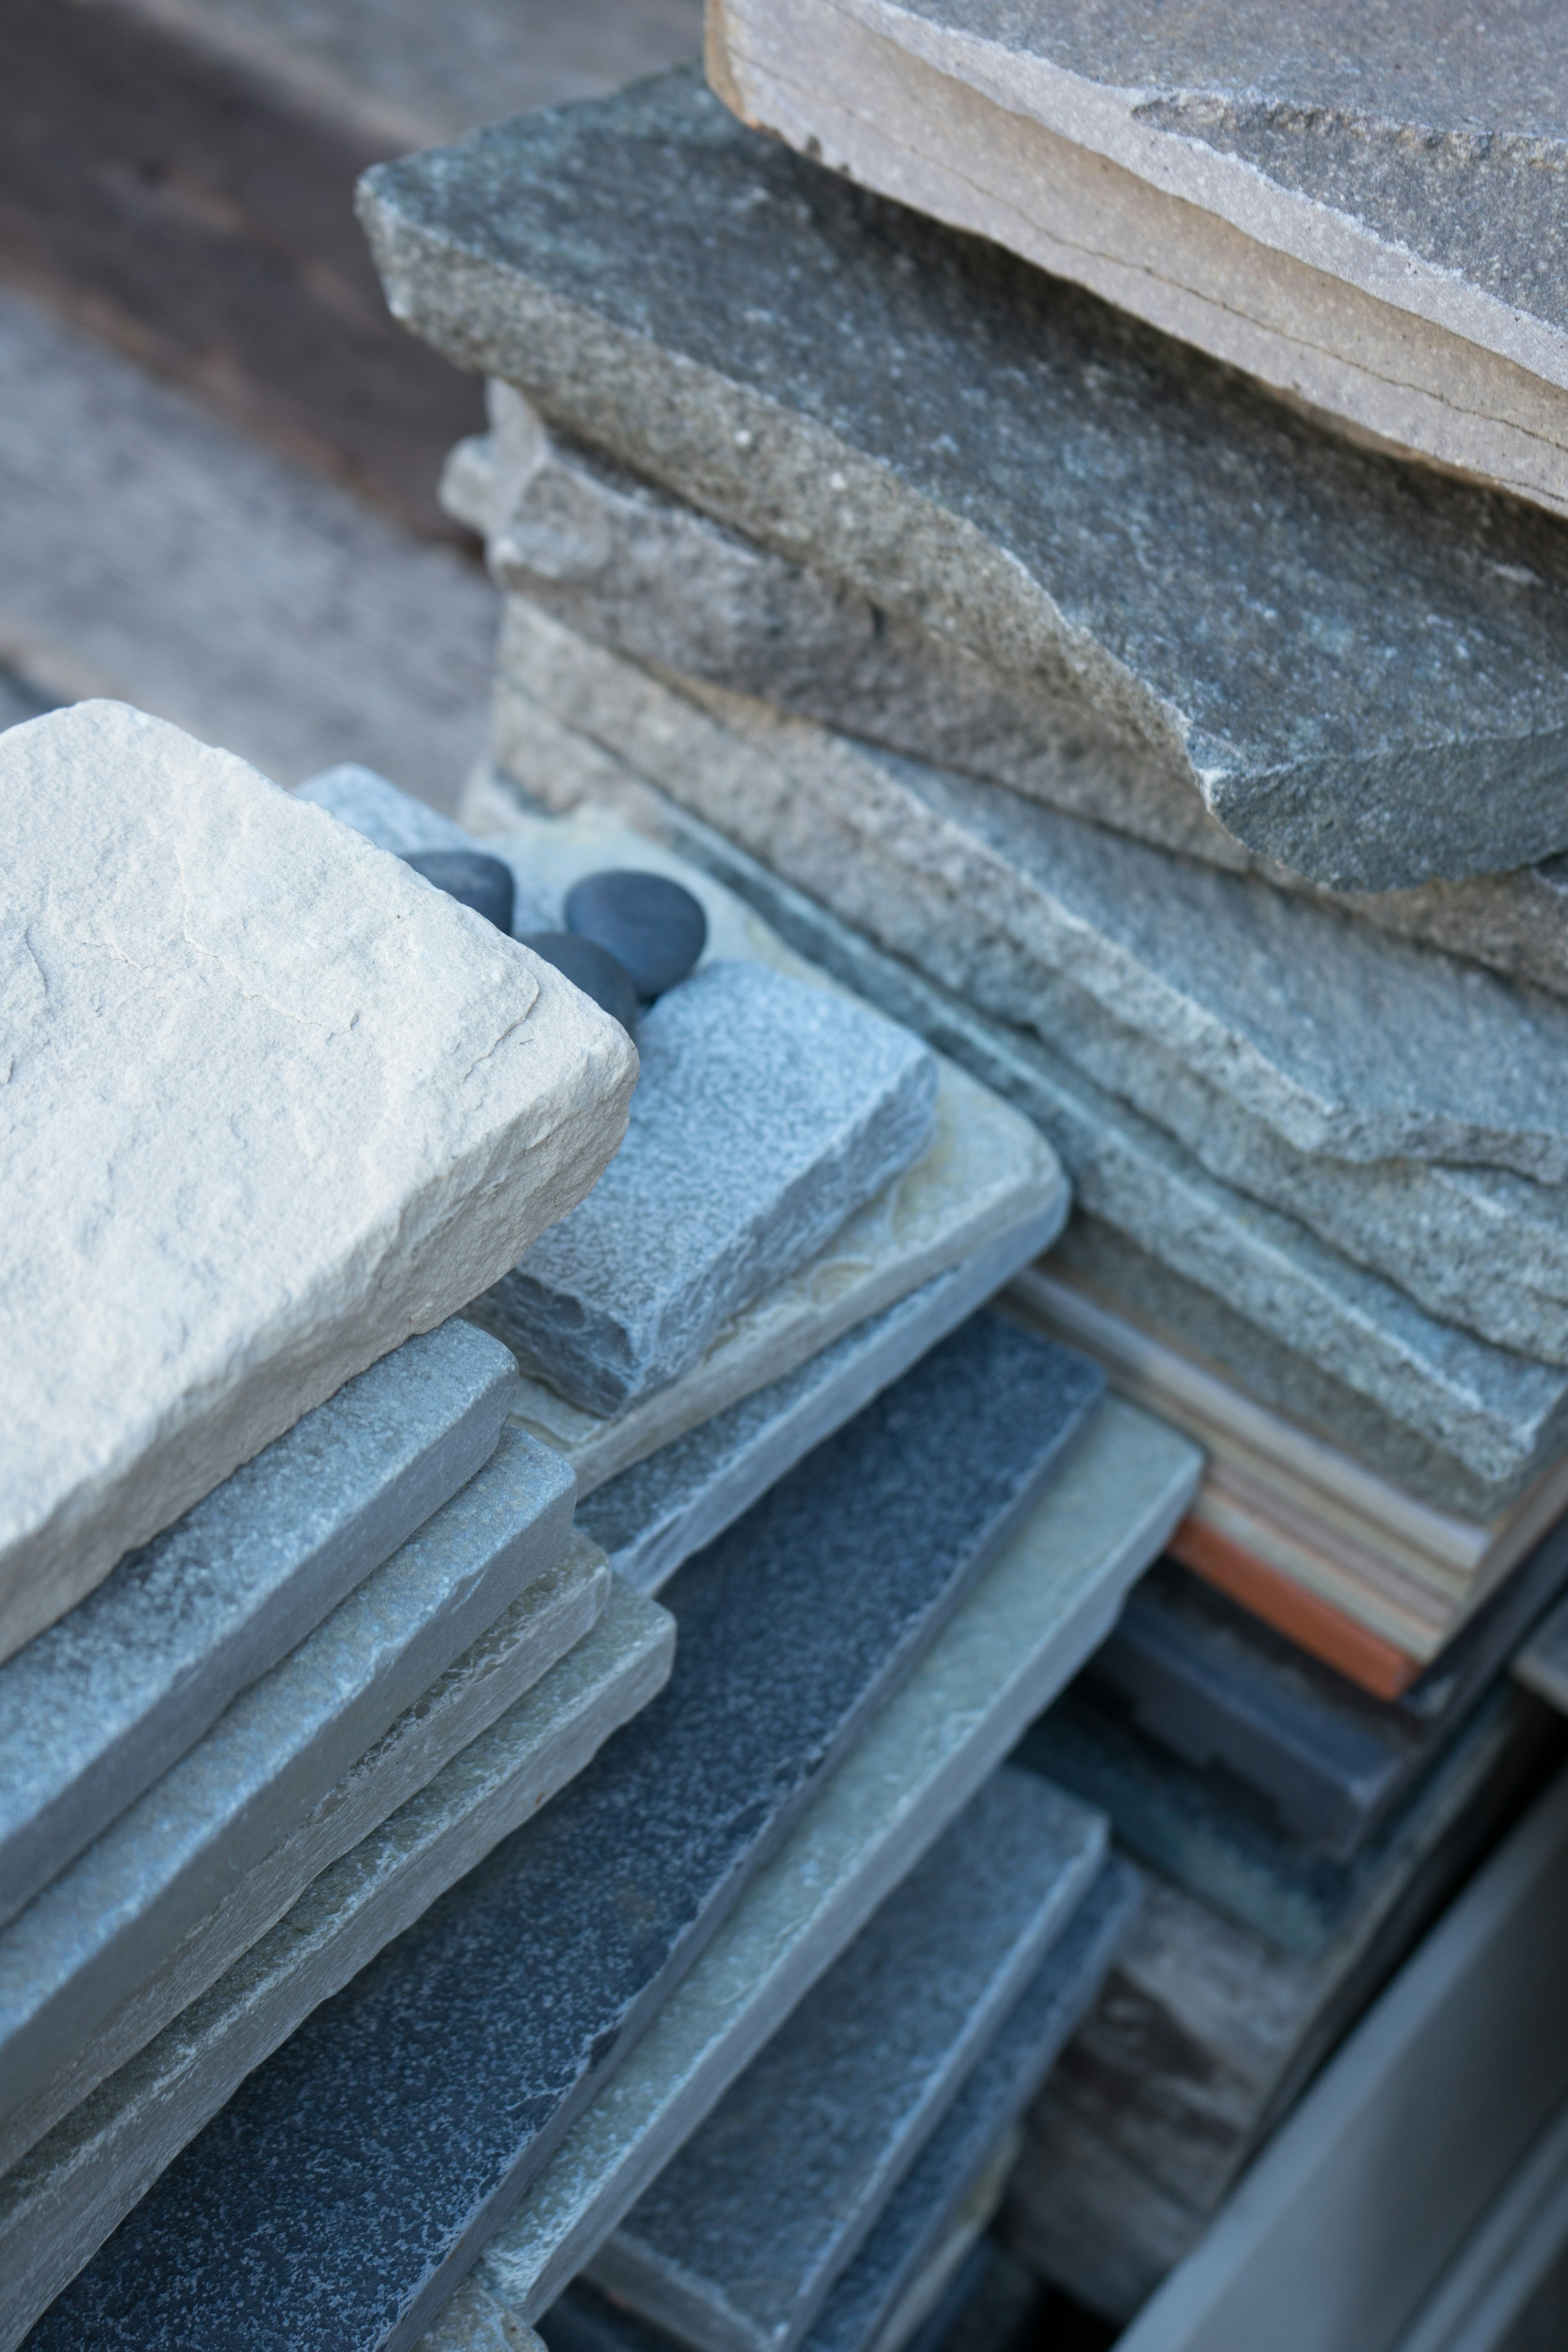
(90, 1938)
(1047, 1603)
(68, 2193)
(379, 1104)
(105, 1700)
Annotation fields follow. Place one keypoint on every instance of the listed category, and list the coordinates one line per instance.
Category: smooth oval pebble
(471, 876)
(653, 926)
(591, 967)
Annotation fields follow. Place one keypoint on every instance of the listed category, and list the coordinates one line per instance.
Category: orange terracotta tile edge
(1316, 1626)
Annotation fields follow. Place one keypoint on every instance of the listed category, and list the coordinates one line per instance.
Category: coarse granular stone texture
(62, 2201)
(1363, 213)
(767, 1112)
(1022, 1634)
(737, 2241)
(1358, 666)
(92, 1937)
(94, 1708)
(380, 1104)
(552, 1612)
(621, 562)
(1301, 1019)
(352, 2180)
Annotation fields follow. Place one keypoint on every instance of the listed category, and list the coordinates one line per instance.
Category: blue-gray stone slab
(97, 1932)
(766, 1113)
(340, 2197)
(95, 1707)
(737, 2243)
(395, 821)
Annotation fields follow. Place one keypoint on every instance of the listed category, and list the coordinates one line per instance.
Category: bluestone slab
(193, 952)
(1361, 214)
(62, 2201)
(96, 1706)
(97, 1932)
(552, 1612)
(1355, 672)
(767, 1112)
(352, 2180)
(1025, 1631)
(739, 2241)
(655, 1514)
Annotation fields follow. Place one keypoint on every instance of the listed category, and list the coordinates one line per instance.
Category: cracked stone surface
(1364, 210)
(1358, 666)
(192, 951)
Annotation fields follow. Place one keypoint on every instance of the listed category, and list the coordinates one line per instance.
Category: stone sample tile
(197, 953)
(618, 561)
(767, 1112)
(65, 2198)
(402, 2103)
(95, 1707)
(1029, 1626)
(92, 1938)
(1363, 215)
(695, 300)
(737, 2243)
(549, 1616)
(655, 1514)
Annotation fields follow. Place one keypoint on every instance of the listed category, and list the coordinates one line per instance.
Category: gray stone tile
(1034, 475)
(657, 1513)
(345, 1178)
(767, 1112)
(738, 2242)
(557, 1610)
(87, 1942)
(394, 820)
(94, 1708)
(1022, 1634)
(362, 2167)
(60, 2203)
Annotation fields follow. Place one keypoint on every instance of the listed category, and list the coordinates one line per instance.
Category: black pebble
(471, 876)
(655, 928)
(591, 967)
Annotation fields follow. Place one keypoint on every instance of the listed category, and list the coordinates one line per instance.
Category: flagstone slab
(103, 1701)
(380, 1104)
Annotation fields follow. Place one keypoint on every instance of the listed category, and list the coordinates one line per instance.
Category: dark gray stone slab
(90, 1938)
(1359, 667)
(766, 1113)
(739, 2241)
(353, 2179)
(97, 1706)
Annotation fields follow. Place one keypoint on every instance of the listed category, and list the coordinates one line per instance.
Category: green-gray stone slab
(737, 2245)
(1360, 666)
(95, 1707)
(92, 1938)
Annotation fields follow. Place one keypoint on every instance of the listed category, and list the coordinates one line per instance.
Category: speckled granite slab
(94, 1708)
(60, 2203)
(92, 1937)
(364, 2166)
(1032, 473)
(1022, 1634)
(738, 2242)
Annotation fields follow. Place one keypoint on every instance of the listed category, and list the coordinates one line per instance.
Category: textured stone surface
(62, 2201)
(1362, 214)
(92, 1937)
(740, 2238)
(1356, 672)
(420, 2101)
(1024, 1633)
(623, 563)
(766, 1114)
(93, 1709)
(655, 1515)
(193, 952)
(552, 1612)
